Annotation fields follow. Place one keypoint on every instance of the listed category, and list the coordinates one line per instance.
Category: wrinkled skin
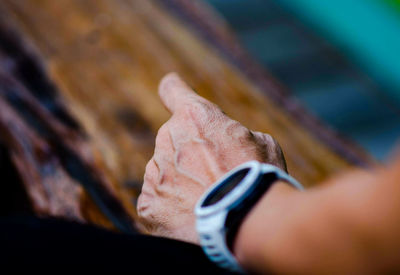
(193, 149)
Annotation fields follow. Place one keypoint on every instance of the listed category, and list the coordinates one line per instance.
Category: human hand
(194, 148)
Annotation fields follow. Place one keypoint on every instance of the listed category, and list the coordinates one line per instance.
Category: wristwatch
(221, 210)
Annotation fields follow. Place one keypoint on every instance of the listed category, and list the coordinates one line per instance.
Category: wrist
(269, 209)
(223, 208)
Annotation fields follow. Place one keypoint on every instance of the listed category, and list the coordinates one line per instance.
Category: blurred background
(340, 58)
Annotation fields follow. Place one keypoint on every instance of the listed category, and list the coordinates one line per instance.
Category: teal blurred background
(340, 58)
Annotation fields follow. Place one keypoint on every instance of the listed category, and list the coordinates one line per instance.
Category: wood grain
(106, 58)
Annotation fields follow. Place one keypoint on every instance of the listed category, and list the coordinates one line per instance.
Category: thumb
(175, 93)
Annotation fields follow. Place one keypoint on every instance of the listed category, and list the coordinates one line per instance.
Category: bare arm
(350, 225)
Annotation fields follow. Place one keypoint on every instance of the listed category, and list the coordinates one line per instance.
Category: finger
(152, 172)
(164, 148)
(148, 193)
(175, 93)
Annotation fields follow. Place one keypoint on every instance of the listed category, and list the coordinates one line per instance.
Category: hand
(194, 148)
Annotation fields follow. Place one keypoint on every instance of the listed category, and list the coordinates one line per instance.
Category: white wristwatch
(223, 207)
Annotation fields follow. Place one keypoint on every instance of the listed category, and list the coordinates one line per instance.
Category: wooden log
(89, 71)
(54, 164)
(48, 148)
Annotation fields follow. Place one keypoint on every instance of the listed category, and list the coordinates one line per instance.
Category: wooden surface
(45, 152)
(102, 61)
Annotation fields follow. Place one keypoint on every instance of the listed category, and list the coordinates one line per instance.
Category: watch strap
(214, 245)
(236, 215)
(217, 231)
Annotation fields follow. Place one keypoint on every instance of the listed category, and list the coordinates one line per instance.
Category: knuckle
(265, 139)
(273, 143)
(241, 132)
(142, 206)
(208, 107)
(147, 177)
(149, 172)
(269, 139)
(163, 130)
(148, 165)
(244, 132)
(163, 185)
(269, 149)
(198, 109)
(200, 113)
(193, 111)
(162, 135)
(235, 129)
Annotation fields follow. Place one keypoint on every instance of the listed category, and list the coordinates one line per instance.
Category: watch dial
(225, 187)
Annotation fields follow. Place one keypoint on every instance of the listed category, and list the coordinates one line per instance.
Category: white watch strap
(212, 239)
(211, 221)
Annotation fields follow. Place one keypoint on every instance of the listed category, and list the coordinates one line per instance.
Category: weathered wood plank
(54, 163)
(107, 57)
(49, 150)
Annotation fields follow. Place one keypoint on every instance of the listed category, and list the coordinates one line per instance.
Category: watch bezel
(233, 196)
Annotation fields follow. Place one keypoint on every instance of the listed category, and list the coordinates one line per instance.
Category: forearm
(341, 227)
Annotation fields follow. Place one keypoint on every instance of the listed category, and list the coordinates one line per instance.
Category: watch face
(225, 187)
